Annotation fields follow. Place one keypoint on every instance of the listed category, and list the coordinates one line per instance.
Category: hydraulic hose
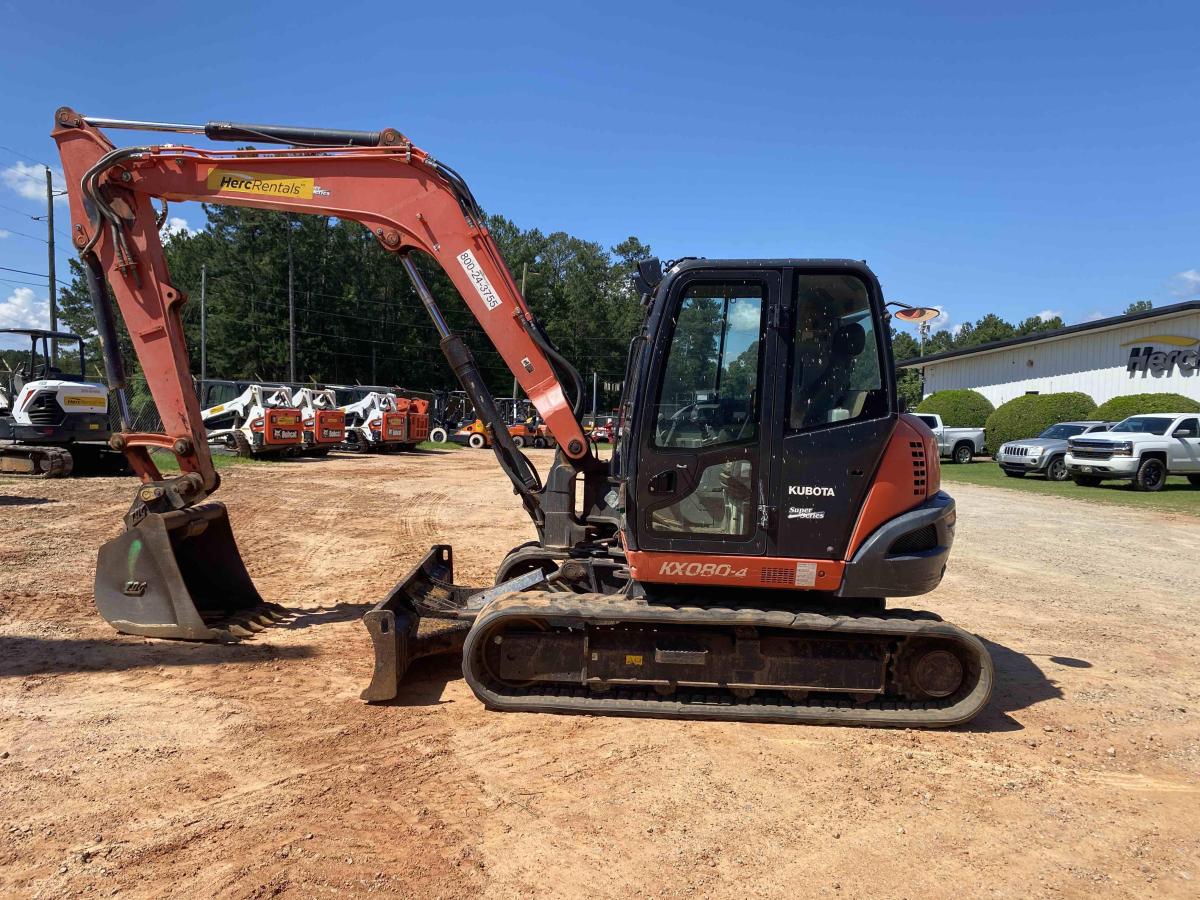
(106, 329)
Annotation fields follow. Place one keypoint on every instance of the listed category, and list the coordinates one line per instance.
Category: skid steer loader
(262, 421)
(379, 421)
(731, 560)
(324, 423)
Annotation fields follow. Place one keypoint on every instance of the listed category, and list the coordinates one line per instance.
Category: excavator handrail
(406, 198)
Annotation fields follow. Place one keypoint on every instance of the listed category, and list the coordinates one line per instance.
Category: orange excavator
(731, 560)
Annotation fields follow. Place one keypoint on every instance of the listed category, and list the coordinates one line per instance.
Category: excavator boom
(405, 197)
(153, 579)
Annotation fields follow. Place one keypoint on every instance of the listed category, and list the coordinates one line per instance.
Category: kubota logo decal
(266, 185)
(702, 570)
(807, 490)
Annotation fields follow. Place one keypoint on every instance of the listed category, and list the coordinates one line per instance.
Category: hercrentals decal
(84, 400)
(228, 181)
(1144, 358)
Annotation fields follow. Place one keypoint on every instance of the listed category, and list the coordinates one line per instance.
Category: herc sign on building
(1141, 353)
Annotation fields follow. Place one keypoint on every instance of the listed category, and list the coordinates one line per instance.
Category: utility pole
(203, 322)
(50, 269)
(292, 313)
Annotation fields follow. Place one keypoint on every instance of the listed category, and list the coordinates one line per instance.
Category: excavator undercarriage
(732, 559)
(615, 654)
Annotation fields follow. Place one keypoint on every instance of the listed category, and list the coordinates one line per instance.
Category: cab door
(1185, 446)
(703, 465)
(837, 406)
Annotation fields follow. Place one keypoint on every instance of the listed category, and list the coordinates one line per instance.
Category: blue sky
(1014, 158)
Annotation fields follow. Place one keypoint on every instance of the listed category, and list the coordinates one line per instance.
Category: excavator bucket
(179, 575)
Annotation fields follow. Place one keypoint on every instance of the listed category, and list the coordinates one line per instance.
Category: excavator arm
(407, 199)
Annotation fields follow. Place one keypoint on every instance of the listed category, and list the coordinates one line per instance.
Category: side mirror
(1185, 433)
(647, 277)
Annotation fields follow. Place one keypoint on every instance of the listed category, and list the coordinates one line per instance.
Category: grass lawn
(1178, 495)
(167, 462)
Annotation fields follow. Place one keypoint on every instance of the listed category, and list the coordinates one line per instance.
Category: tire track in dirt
(160, 767)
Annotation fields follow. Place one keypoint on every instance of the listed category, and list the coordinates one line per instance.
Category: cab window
(219, 393)
(709, 393)
(836, 375)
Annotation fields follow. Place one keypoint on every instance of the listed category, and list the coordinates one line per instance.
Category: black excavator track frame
(558, 611)
(58, 462)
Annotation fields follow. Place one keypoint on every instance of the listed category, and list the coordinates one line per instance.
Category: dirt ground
(149, 768)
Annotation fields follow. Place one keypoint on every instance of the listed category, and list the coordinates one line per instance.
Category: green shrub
(1118, 408)
(958, 409)
(1030, 415)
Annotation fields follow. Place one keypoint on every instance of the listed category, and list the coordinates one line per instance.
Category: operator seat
(830, 387)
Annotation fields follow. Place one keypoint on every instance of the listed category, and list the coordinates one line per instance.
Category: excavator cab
(765, 406)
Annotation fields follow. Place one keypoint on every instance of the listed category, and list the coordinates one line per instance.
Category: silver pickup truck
(958, 444)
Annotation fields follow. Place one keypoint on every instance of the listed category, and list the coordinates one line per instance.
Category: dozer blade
(425, 614)
(176, 575)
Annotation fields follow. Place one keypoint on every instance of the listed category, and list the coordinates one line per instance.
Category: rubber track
(59, 459)
(702, 703)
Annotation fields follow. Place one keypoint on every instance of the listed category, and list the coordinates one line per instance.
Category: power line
(17, 211)
(24, 235)
(23, 272)
(590, 338)
(29, 283)
(34, 274)
(24, 156)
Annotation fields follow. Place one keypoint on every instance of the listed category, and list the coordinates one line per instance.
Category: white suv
(1141, 449)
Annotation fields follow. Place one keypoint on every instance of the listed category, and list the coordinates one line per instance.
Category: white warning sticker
(806, 574)
(475, 272)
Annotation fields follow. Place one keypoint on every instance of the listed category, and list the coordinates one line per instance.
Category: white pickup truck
(958, 444)
(1143, 450)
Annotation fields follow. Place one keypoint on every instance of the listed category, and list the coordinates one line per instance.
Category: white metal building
(1141, 353)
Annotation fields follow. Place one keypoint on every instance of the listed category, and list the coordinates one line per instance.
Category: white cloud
(4, 234)
(1186, 285)
(1096, 316)
(29, 181)
(744, 317)
(957, 329)
(23, 309)
(1047, 314)
(173, 226)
